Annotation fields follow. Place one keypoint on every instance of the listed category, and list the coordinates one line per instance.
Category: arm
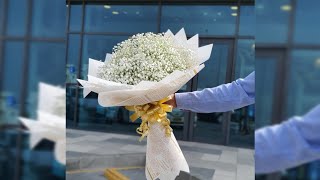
(225, 97)
(288, 144)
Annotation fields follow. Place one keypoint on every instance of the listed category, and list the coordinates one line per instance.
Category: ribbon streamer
(155, 112)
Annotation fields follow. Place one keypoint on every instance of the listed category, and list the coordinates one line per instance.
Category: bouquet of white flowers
(141, 74)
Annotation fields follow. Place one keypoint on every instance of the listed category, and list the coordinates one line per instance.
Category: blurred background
(32, 49)
(287, 67)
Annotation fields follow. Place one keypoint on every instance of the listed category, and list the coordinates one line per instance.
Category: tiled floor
(94, 150)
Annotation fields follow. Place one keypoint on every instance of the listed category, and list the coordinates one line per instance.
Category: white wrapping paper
(51, 120)
(164, 157)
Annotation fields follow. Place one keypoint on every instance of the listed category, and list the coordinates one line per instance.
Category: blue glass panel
(304, 82)
(49, 18)
(73, 58)
(118, 18)
(17, 21)
(247, 20)
(265, 82)
(96, 47)
(13, 68)
(242, 123)
(208, 126)
(203, 20)
(272, 21)
(245, 61)
(75, 17)
(46, 64)
(307, 26)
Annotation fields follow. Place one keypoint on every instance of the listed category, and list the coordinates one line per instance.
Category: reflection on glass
(73, 58)
(16, 20)
(8, 139)
(96, 47)
(215, 71)
(11, 83)
(245, 58)
(75, 18)
(242, 120)
(205, 20)
(111, 119)
(46, 65)
(304, 72)
(48, 26)
(70, 103)
(242, 127)
(208, 126)
(119, 18)
(247, 21)
(273, 16)
(265, 82)
(40, 163)
(307, 27)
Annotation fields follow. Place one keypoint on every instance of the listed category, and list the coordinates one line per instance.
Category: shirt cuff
(183, 100)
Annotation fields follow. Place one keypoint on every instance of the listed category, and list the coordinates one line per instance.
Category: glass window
(70, 103)
(304, 71)
(203, 20)
(273, 16)
(49, 18)
(245, 61)
(16, 20)
(265, 82)
(75, 18)
(247, 20)
(1, 15)
(307, 26)
(208, 126)
(112, 119)
(73, 58)
(242, 120)
(13, 68)
(46, 64)
(96, 47)
(118, 18)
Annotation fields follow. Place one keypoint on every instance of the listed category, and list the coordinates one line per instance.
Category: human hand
(172, 101)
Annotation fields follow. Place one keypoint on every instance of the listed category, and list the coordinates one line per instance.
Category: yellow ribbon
(155, 112)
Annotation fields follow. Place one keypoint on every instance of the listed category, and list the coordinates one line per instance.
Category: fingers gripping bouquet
(141, 74)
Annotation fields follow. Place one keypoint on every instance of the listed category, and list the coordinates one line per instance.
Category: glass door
(269, 65)
(210, 127)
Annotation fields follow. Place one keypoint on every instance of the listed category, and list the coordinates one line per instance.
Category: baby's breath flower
(146, 57)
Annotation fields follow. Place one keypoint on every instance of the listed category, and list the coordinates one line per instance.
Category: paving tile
(210, 157)
(228, 157)
(201, 149)
(226, 173)
(245, 171)
(125, 141)
(202, 173)
(221, 177)
(73, 135)
(80, 148)
(134, 148)
(245, 160)
(217, 165)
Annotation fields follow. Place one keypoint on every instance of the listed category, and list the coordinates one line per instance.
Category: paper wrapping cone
(164, 159)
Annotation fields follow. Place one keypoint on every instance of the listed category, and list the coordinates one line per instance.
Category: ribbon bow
(155, 112)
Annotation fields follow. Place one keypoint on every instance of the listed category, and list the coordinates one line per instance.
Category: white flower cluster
(146, 57)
